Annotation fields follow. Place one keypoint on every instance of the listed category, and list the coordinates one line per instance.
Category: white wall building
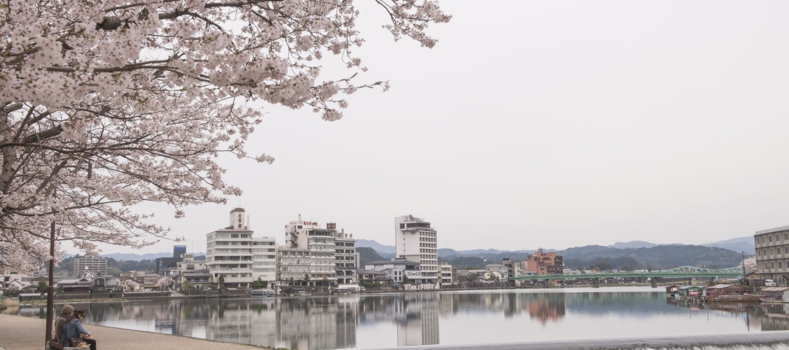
(416, 241)
(497, 271)
(233, 254)
(399, 271)
(346, 260)
(319, 243)
(192, 271)
(293, 266)
(446, 274)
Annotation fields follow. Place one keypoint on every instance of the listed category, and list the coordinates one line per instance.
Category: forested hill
(662, 256)
(657, 257)
(115, 267)
(367, 255)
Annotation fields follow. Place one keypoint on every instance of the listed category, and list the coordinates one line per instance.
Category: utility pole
(51, 287)
(743, 266)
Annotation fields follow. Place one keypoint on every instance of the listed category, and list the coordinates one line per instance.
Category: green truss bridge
(679, 272)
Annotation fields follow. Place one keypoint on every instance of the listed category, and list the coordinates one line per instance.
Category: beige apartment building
(772, 254)
(94, 265)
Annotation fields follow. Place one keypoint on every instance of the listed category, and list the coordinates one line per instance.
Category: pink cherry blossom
(106, 104)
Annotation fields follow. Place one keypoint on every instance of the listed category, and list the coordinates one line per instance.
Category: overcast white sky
(540, 124)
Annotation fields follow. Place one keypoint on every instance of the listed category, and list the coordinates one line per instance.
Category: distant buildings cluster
(311, 255)
(316, 256)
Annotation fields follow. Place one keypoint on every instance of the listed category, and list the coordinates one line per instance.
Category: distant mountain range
(380, 248)
(740, 244)
(139, 257)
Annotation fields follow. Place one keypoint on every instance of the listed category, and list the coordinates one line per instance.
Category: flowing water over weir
(572, 318)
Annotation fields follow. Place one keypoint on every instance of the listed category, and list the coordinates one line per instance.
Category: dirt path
(23, 333)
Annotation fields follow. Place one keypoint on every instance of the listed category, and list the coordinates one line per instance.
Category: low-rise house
(400, 271)
(105, 284)
(150, 281)
(139, 276)
(480, 273)
(672, 289)
(691, 291)
(193, 272)
(129, 286)
(369, 276)
(495, 273)
(753, 279)
(499, 271)
(79, 285)
(14, 276)
(30, 288)
(200, 279)
(775, 294)
(725, 289)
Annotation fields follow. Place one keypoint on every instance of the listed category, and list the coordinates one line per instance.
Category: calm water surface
(387, 320)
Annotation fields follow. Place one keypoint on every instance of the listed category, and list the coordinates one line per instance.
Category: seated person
(74, 333)
(60, 322)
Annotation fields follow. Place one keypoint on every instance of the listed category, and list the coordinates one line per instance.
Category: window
(779, 264)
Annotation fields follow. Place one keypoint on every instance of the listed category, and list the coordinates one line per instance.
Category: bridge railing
(683, 271)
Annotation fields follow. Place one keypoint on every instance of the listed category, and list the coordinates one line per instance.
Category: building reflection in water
(315, 322)
(416, 318)
(759, 316)
(416, 315)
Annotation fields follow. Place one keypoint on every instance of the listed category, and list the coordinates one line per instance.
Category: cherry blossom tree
(750, 264)
(164, 283)
(106, 104)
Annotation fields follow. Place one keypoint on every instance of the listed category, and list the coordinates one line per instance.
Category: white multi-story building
(416, 241)
(264, 257)
(293, 266)
(446, 274)
(309, 242)
(346, 260)
(233, 255)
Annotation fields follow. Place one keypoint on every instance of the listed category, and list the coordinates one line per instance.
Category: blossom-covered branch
(106, 104)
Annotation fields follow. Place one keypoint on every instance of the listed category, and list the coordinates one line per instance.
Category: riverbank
(26, 333)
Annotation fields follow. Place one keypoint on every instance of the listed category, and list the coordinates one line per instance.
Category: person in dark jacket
(60, 322)
(74, 330)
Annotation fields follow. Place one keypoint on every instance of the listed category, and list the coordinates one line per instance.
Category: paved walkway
(23, 333)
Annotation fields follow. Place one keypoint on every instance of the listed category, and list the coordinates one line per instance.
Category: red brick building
(545, 263)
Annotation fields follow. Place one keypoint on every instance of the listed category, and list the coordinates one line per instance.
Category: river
(447, 318)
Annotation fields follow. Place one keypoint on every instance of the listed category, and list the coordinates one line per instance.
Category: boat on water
(262, 293)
